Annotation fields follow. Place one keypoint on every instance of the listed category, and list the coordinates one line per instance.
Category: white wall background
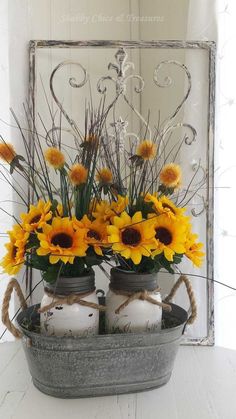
(22, 20)
(5, 130)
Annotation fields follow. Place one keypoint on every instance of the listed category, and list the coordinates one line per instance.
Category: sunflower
(16, 248)
(132, 237)
(165, 205)
(61, 241)
(147, 150)
(7, 152)
(170, 236)
(54, 157)
(37, 216)
(170, 175)
(119, 205)
(78, 174)
(104, 176)
(102, 211)
(194, 249)
(105, 211)
(96, 233)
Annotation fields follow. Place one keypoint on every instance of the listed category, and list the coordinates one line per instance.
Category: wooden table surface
(202, 386)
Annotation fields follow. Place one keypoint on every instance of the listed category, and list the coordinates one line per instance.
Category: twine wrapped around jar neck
(139, 295)
(135, 286)
(70, 299)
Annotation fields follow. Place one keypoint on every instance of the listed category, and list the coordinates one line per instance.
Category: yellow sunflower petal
(98, 250)
(137, 217)
(179, 248)
(169, 254)
(44, 244)
(118, 222)
(114, 238)
(118, 247)
(53, 259)
(42, 252)
(126, 253)
(136, 256)
(112, 229)
(126, 218)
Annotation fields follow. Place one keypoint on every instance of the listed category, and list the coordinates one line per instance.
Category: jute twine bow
(70, 299)
(140, 295)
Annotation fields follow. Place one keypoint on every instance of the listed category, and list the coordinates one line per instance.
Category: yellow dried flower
(7, 152)
(54, 157)
(78, 174)
(147, 150)
(170, 175)
(92, 140)
(104, 176)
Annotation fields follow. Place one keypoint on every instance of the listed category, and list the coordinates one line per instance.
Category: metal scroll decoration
(73, 83)
(122, 67)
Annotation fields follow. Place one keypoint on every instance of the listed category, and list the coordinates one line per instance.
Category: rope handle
(13, 285)
(193, 304)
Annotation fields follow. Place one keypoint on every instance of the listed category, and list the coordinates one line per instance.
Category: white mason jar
(139, 315)
(75, 319)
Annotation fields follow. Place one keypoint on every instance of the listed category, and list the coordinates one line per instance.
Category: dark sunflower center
(131, 236)
(163, 235)
(62, 240)
(14, 251)
(92, 234)
(35, 219)
(169, 207)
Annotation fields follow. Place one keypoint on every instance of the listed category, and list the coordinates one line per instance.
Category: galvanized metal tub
(102, 365)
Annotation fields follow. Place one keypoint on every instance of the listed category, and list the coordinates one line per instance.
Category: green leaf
(177, 258)
(51, 274)
(54, 206)
(144, 207)
(76, 269)
(92, 258)
(33, 241)
(164, 263)
(37, 262)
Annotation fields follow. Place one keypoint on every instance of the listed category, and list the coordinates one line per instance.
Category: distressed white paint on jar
(138, 315)
(75, 319)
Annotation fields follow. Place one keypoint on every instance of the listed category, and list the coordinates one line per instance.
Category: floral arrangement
(109, 202)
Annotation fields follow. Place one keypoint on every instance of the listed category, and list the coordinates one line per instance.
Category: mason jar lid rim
(118, 270)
